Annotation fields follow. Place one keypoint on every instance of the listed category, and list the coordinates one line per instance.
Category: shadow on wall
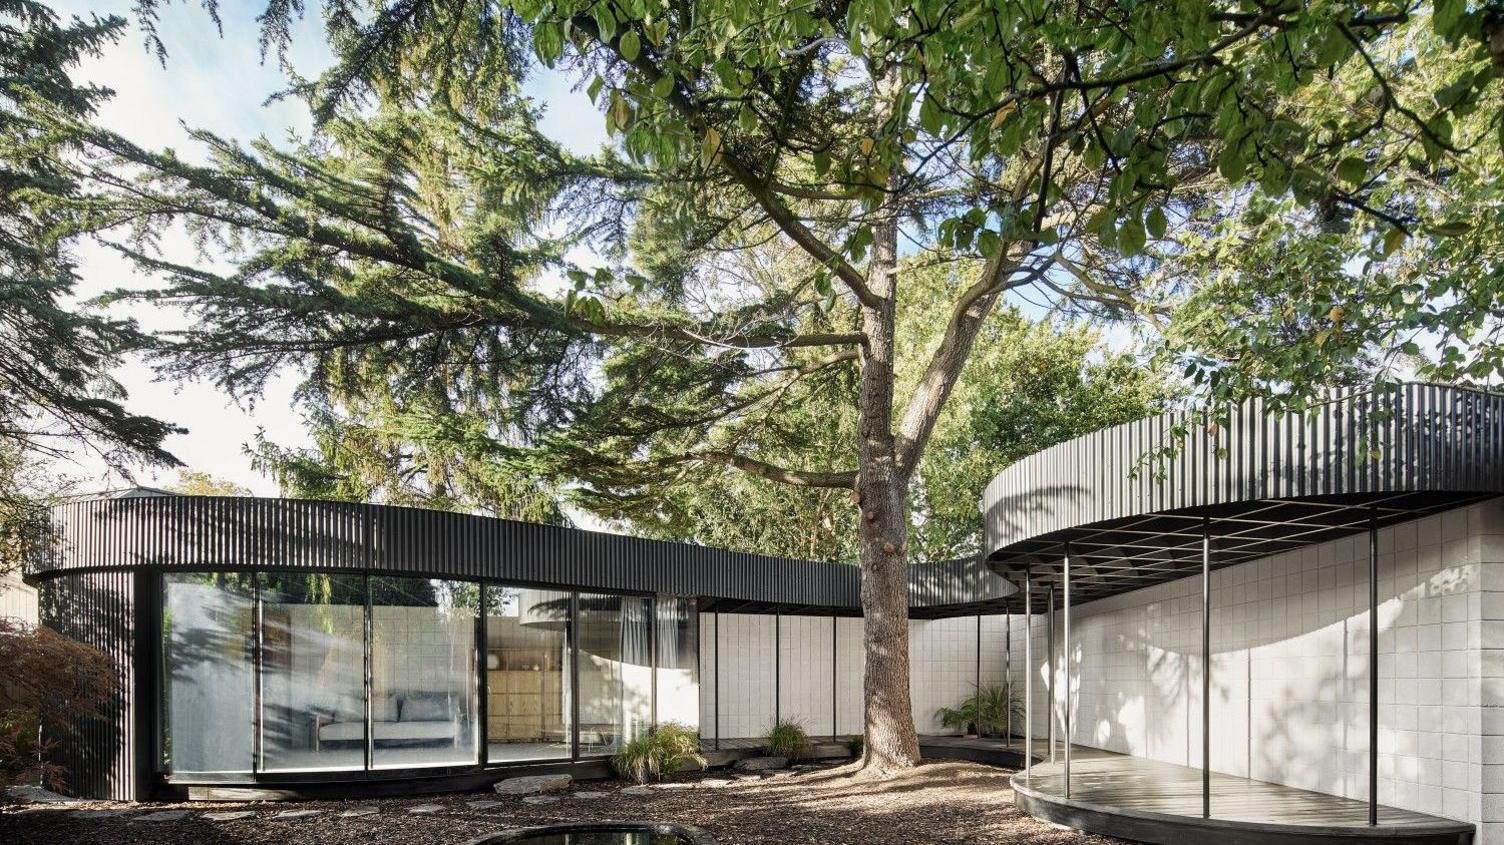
(1290, 662)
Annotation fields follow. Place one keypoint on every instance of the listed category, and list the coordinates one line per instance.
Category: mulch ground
(940, 803)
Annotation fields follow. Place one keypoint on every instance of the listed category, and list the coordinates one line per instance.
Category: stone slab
(761, 764)
(162, 816)
(482, 805)
(533, 785)
(540, 799)
(295, 814)
(357, 812)
(229, 816)
(425, 808)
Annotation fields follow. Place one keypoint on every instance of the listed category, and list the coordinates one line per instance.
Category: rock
(356, 812)
(540, 799)
(295, 814)
(426, 808)
(228, 816)
(675, 785)
(162, 816)
(746, 776)
(761, 764)
(482, 805)
(591, 794)
(637, 790)
(713, 783)
(99, 814)
(36, 795)
(532, 785)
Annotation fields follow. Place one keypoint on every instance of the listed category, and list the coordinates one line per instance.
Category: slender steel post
(835, 683)
(979, 675)
(715, 713)
(653, 657)
(572, 633)
(1028, 679)
(777, 667)
(1066, 718)
(1049, 657)
(482, 681)
(1206, 667)
(1008, 673)
(1373, 668)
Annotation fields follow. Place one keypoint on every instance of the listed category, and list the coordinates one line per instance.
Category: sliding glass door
(313, 706)
(528, 677)
(386, 672)
(423, 688)
(208, 671)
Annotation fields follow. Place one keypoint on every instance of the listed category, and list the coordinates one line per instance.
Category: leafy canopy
(1181, 164)
(55, 356)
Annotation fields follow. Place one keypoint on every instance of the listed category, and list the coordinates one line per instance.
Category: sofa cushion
(424, 707)
(386, 731)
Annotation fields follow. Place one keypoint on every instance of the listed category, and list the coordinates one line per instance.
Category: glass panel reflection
(423, 672)
(313, 671)
(616, 674)
(677, 640)
(208, 677)
(528, 708)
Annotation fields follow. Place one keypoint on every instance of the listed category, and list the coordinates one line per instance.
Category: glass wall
(528, 677)
(423, 688)
(677, 641)
(616, 670)
(313, 708)
(208, 671)
(383, 672)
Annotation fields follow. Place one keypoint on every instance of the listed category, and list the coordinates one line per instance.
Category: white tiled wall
(942, 654)
(1290, 668)
(18, 600)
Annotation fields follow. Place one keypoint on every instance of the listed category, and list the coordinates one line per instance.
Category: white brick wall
(1292, 629)
(18, 600)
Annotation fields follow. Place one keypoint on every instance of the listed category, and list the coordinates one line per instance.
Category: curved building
(1263, 626)
(275, 647)
(1267, 626)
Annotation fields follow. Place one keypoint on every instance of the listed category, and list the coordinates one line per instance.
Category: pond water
(601, 834)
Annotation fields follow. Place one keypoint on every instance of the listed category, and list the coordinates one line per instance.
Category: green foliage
(55, 385)
(787, 739)
(985, 712)
(192, 482)
(662, 751)
(855, 743)
(52, 682)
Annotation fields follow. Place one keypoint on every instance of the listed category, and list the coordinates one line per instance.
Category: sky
(218, 82)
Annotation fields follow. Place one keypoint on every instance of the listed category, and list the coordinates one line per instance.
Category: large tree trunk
(882, 492)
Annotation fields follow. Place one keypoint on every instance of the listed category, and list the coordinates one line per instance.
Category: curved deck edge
(1166, 829)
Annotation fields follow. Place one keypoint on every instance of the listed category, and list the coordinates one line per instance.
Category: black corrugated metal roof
(212, 532)
(1131, 499)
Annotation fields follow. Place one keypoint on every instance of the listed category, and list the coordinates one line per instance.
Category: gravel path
(940, 803)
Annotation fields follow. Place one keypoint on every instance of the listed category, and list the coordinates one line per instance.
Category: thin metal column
(1065, 599)
(715, 712)
(1008, 673)
(573, 633)
(1028, 678)
(979, 675)
(1373, 668)
(653, 656)
(835, 682)
(1049, 657)
(482, 681)
(1206, 667)
(777, 668)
